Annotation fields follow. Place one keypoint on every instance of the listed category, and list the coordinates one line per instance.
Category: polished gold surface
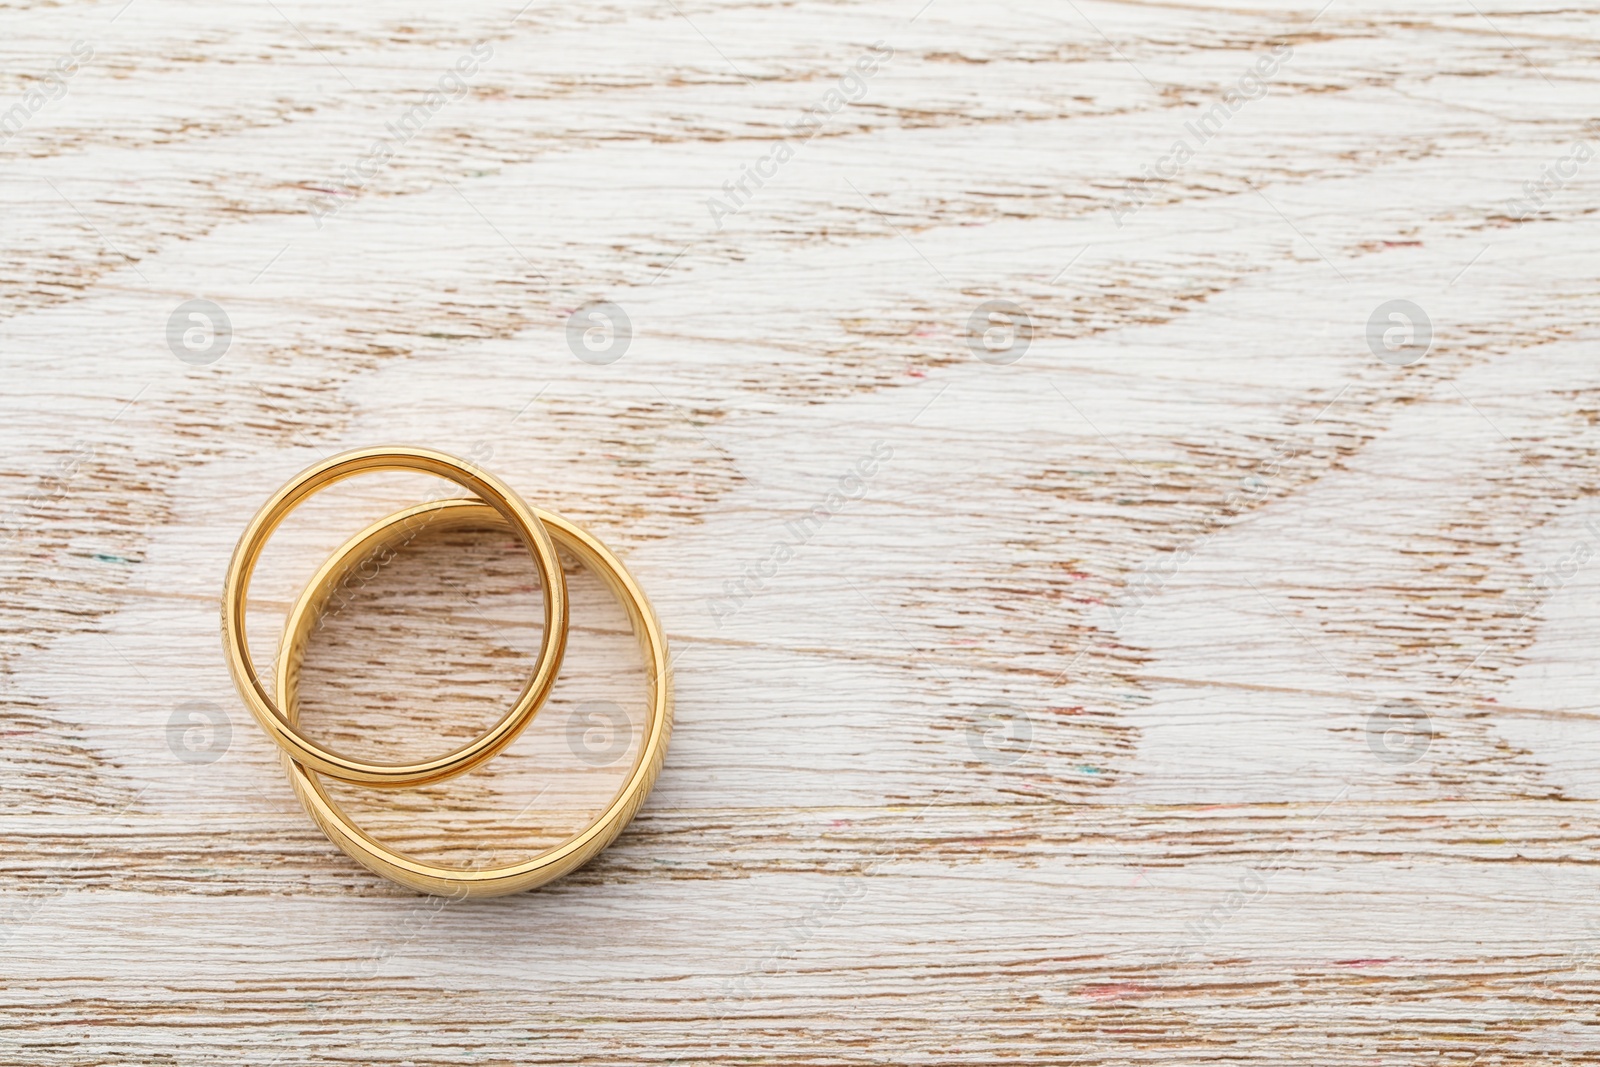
(551, 863)
(499, 500)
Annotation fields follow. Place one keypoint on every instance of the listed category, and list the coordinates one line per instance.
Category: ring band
(501, 500)
(552, 863)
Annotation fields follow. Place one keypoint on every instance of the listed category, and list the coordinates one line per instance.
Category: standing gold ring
(459, 882)
(500, 500)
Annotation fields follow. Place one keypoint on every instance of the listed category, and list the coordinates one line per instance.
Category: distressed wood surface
(1193, 677)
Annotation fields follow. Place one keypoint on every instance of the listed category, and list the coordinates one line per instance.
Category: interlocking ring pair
(542, 532)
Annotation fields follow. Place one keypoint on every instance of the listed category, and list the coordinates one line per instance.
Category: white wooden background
(1198, 687)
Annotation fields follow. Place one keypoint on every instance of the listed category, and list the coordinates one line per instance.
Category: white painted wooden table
(1179, 670)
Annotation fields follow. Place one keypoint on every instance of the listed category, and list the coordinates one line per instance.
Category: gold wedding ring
(236, 592)
(306, 761)
(459, 882)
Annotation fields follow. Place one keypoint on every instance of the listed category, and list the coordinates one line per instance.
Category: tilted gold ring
(499, 499)
(552, 863)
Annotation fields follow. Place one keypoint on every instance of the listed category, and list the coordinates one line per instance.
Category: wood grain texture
(1198, 687)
